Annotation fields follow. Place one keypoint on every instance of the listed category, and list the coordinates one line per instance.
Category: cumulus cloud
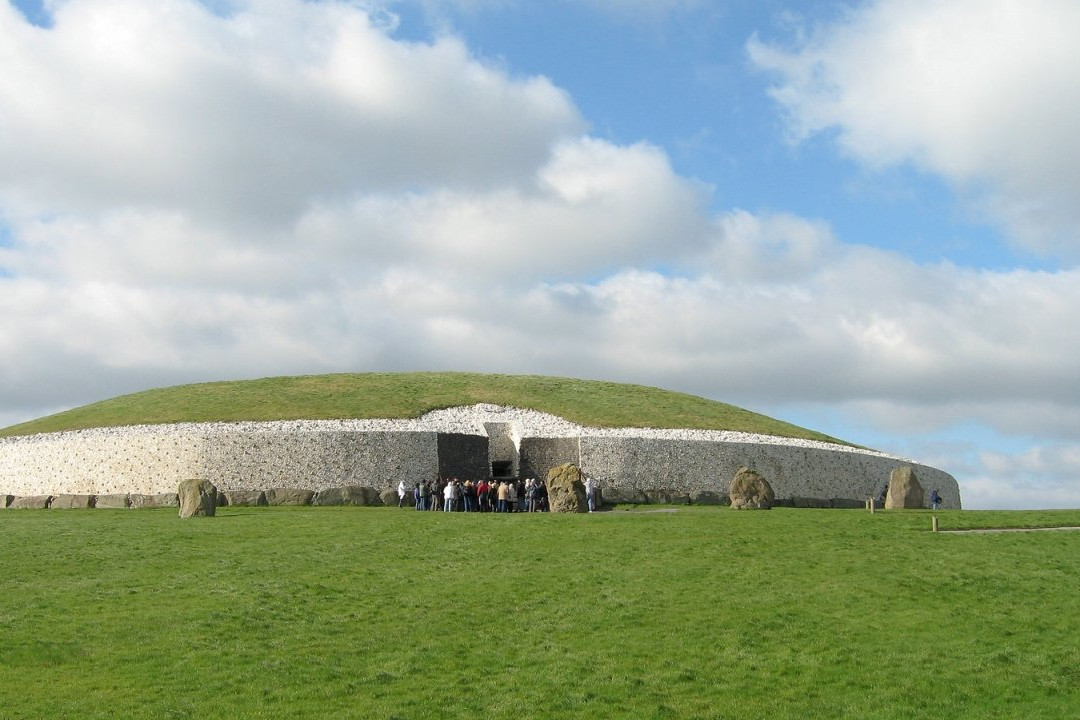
(247, 118)
(287, 188)
(981, 92)
(1027, 479)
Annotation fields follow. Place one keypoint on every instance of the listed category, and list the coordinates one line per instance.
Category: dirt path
(1005, 530)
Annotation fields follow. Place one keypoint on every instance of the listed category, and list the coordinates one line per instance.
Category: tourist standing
(511, 496)
(503, 494)
(448, 497)
(400, 493)
(437, 490)
(590, 493)
(482, 495)
(935, 499)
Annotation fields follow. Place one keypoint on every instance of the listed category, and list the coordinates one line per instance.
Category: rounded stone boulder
(750, 491)
(198, 498)
(566, 489)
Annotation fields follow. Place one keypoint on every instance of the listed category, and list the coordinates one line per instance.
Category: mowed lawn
(386, 613)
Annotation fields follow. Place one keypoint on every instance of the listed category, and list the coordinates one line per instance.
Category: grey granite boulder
(159, 500)
(750, 491)
(566, 489)
(709, 497)
(667, 497)
(810, 502)
(113, 502)
(198, 498)
(30, 502)
(289, 496)
(347, 495)
(242, 498)
(72, 502)
(390, 498)
(905, 492)
(138, 500)
(624, 496)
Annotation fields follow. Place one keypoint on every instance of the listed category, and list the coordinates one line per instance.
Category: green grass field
(409, 395)
(387, 613)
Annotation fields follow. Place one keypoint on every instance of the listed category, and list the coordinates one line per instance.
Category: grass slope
(409, 395)
(385, 613)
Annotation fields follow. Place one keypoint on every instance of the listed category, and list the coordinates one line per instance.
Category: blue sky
(857, 216)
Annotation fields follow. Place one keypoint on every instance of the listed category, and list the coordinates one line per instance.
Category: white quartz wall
(378, 453)
(793, 470)
(100, 462)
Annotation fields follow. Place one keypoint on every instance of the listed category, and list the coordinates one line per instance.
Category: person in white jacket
(448, 496)
(400, 493)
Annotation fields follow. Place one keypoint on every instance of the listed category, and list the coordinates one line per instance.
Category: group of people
(453, 495)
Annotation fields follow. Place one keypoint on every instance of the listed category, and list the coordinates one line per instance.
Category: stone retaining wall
(308, 456)
(115, 462)
(648, 465)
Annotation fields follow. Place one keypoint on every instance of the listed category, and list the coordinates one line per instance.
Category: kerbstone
(624, 496)
(159, 500)
(113, 502)
(289, 496)
(30, 502)
(242, 498)
(347, 495)
(72, 502)
(709, 497)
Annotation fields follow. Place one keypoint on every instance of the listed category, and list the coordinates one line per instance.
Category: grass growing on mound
(386, 613)
(409, 395)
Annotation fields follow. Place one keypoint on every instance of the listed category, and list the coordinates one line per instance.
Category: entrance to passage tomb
(502, 450)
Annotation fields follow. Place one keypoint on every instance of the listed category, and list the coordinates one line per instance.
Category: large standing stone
(750, 491)
(197, 498)
(905, 492)
(289, 496)
(347, 495)
(5, 500)
(566, 489)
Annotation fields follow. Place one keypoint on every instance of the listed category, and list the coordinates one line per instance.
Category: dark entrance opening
(502, 469)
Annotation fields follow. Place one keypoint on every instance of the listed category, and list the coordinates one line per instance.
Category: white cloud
(981, 92)
(1043, 476)
(247, 118)
(285, 188)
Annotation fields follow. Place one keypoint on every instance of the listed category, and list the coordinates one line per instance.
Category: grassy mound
(410, 395)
